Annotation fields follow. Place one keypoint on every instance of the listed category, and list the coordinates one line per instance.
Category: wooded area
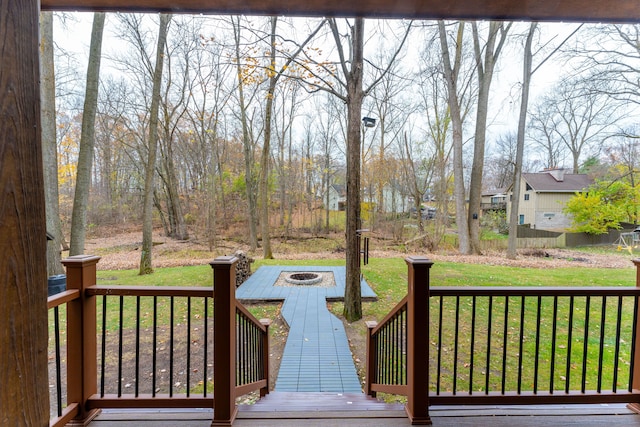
(250, 137)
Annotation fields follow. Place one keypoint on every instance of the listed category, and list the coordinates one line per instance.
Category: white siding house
(543, 196)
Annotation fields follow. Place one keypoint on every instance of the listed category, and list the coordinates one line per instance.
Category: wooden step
(348, 405)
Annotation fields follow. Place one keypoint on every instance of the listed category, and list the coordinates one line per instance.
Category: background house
(543, 196)
(494, 200)
(337, 197)
(394, 198)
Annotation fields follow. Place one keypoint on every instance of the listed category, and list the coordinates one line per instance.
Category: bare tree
(522, 123)
(456, 87)
(542, 132)
(209, 98)
(49, 143)
(273, 76)
(527, 74)
(87, 139)
(152, 144)
(486, 57)
(247, 140)
(577, 113)
(351, 81)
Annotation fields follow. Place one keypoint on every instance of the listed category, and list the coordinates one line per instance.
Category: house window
(521, 219)
(528, 187)
(526, 197)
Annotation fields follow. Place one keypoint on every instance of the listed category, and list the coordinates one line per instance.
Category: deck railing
(152, 347)
(507, 345)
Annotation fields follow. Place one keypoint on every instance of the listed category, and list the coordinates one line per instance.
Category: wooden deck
(326, 410)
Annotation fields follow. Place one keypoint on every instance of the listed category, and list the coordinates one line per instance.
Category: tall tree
(247, 142)
(49, 143)
(527, 74)
(273, 76)
(355, 95)
(522, 122)
(87, 139)
(452, 70)
(486, 57)
(352, 81)
(152, 145)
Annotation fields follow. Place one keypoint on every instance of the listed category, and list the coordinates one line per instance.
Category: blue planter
(57, 284)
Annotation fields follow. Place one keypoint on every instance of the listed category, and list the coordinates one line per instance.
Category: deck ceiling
(541, 10)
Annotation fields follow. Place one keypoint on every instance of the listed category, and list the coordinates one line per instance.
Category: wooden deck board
(382, 420)
(356, 410)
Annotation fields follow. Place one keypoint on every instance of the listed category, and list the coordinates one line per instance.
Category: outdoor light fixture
(368, 122)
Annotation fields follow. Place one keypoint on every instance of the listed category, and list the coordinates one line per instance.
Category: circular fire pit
(303, 278)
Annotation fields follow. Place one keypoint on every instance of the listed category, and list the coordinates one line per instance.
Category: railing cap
(81, 260)
(418, 260)
(636, 261)
(224, 261)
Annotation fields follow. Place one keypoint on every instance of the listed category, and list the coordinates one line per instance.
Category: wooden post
(23, 247)
(82, 358)
(372, 366)
(418, 340)
(265, 355)
(636, 356)
(224, 336)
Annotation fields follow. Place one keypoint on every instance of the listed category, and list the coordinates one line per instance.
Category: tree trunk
(49, 144)
(522, 122)
(152, 145)
(247, 144)
(355, 94)
(485, 76)
(451, 75)
(23, 273)
(177, 227)
(266, 147)
(87, 139)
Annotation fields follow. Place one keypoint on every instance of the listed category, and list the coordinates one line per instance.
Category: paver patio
(316, 357)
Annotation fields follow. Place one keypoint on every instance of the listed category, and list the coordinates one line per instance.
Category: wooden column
(82, 357)
(23, 245)
(224, 340)
(418, 340)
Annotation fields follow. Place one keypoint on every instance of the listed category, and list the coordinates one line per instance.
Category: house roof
(341, 189)
(546, 183)
(495, 192)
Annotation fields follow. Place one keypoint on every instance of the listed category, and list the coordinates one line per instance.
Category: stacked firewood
(243, 267)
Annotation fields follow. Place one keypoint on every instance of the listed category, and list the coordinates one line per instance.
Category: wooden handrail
(258, 323)
(62, 298)
(389, 316)
(151, 291)
(533, 291)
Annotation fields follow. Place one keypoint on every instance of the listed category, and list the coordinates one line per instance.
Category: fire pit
(303, 278)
